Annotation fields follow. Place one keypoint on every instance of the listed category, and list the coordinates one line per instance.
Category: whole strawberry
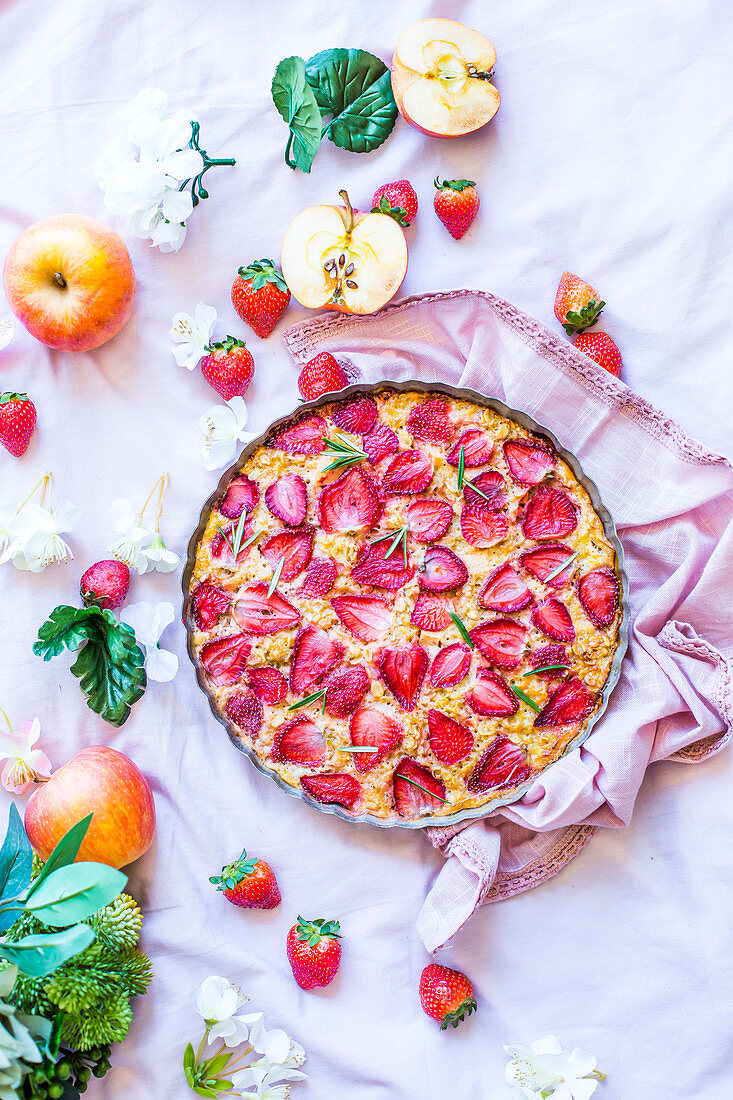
(456, 203)
(228, 367)
(602, 349)
(17, 422)
(260, 296)
(397, 199)
(105, 584)
(249, 883)
(320, 375)
(314, 951)
(446, 995)
(577, 304)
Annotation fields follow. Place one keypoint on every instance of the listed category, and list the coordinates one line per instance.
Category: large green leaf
(354, 88)
(73, 893)
(65, 851)
(110, 666)
(295, 101)
(40, 955)
(16, 860)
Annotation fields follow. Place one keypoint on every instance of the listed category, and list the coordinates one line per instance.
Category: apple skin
(91, 260)
(102, 781)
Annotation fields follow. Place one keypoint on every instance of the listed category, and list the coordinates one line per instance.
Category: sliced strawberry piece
(428, 519)
(345, 688)
(477, 447)
(320, 577)
(380, 442)
(450, 665)
(482, 526)
(442, 570)
(570, 702)
(299, 742)
(431, 613)
(550, 655)
(242, 495)
(225, 658)
(303, 437)
(416, 790)
(374, 729)
(528, 460)
(292, 548)
(430, 422)
(491, 695)
(408, 472)
(550, 514)
(553, 619)
(287, 499)
(403, 671)
(504, 590)
(500, 641)
(207, 603)
(259, 613)
(335, 787)
(349, 503)
(373, 567)
(543, 560)
(314, 654)
(357, 417)
(449, 740)
(245, 710)
(491, 486)
(223, 540)
(599, 594)
(268, 684)
(367, 617)
(503, 764)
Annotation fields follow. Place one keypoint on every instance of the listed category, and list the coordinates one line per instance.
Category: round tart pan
(525, 421)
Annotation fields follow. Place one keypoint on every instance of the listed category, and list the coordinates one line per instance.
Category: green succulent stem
(198, 191)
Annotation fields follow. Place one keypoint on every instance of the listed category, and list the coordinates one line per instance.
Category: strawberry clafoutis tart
(405, 604)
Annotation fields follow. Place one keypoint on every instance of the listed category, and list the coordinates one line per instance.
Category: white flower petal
(161, 665)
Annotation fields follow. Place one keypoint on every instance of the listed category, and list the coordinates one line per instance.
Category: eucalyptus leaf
(39, 955)
(64, 853)
(353, 87)
(73, 893)
(296, 103)
(16, 860)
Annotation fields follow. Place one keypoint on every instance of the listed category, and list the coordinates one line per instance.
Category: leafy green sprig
(398, 536)
(346, 453)
(462, 629)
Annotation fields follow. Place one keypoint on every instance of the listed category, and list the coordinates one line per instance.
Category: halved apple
(441, 78)
(334, 257)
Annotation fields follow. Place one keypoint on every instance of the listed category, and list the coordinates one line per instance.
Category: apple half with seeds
(335, 257)
(441, 78)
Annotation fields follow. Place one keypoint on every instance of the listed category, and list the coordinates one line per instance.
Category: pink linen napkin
(672, 501)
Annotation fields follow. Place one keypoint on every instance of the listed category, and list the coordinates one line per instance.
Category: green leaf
(16, 859)
(110, 666)
(462, 630)
(65, 851)
(525, 698)
(73, 893)
(296, 103)
(189, 1061)
(353, 87)
(40, 955)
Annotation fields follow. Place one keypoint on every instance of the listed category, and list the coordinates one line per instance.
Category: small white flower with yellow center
(24, 762)
(224, 428)
(192, 334)
(542, 1070)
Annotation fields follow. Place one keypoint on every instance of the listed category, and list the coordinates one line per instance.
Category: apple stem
(347, 202)
(58, 277)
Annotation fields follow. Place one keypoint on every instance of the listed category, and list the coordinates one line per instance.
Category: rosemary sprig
(226, 538)
(400, 536)
(561, 566)
(310, 699)
(525, 698)
(462, 629)
(461, 466)
(416, 784)
(275, 577)
(346, 453)
(239, 535)
(545, 668)
(475, 489)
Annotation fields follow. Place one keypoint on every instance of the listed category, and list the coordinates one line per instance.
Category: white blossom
(217, 1001)
(192, 334)
(149, 621)
(158, 557)
(223, 428)
(542, 1069)
(131, 535)
(23, 760)
(280, 1059)
(38, 541)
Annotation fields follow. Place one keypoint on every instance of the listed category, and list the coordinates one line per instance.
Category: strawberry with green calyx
(314, 951)
(249, 883)
(456, 203)
(578, 305)
(105, 584)
(397, 199)
(446, 995)
(260, 296)
(17, 422)
(229, 367)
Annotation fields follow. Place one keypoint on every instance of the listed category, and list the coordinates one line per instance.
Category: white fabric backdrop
(611, 155)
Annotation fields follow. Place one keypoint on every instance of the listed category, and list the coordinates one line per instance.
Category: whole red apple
(104, 782)
(69, 280)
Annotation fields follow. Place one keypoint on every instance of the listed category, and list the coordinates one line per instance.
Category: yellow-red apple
(99, 781)
(69, 280)
(441, 78)
(334, 257)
